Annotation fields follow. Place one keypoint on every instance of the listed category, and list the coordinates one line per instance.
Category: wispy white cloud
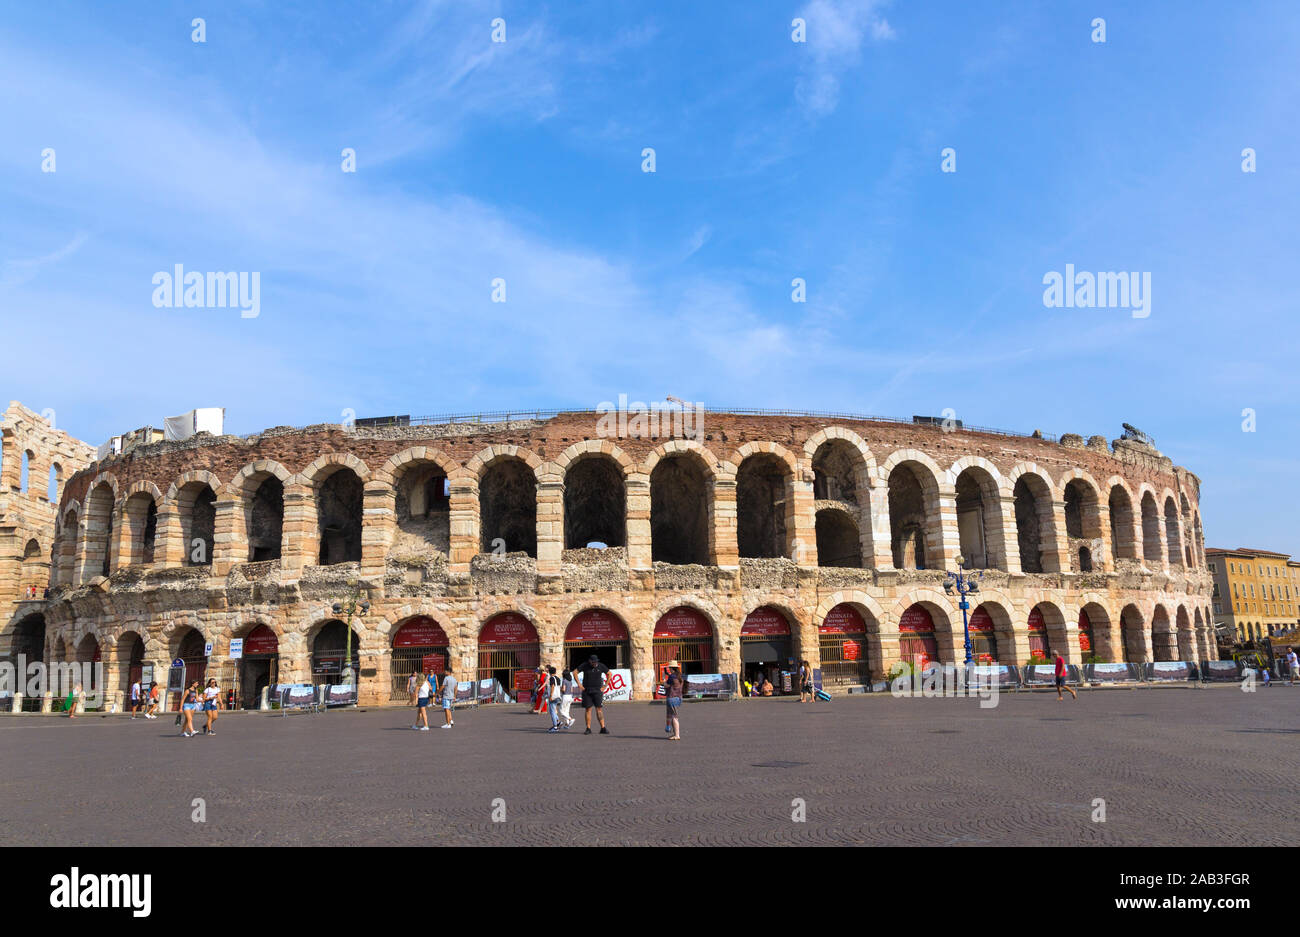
(837, 31)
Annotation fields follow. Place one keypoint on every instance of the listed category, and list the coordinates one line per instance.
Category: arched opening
(192, 652)
(1035, 531)
(34, 575)
(1085, 560)
(1121, 524)
(766, 651)
(837, 466)
(28, 647)
(338, 517)
(264, 517)
(763, 498)
(685, 635)
(196, 503)
(99, 531)
(24, 470)
(838, 541)
(595, 503)
(1172, 540)
(1186, 638)
(679, 511)
(917, 643)
(1150, 531)
(1094, 635)
(89, 656)
(509, 652)
(600, 632)
(979, 520)
(420, 645)
(842, 641)
(507, 502)
(335, 654)
(131, 653)
(422, 505)
(141, 520)
(1082, 522)
(913, 502)
(1164, 643)
(1131, 636)
(259, 668)
(984, 645)
(1038, 639)
(54, 483)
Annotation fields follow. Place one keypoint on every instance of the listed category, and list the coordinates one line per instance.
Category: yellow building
(1256, 592)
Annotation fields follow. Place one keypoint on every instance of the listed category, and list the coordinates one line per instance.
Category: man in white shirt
(135, 698)
(1292, 661)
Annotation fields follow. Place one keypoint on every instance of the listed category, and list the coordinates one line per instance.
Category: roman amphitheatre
(493, 545)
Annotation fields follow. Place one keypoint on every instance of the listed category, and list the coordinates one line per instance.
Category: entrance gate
(765, 648)
(1037, 635)
(508, 648)
(419, 646)
(983, 639)
(842, 641)
(916, 642)
(685, 635)
(259, 667)
(597, 631)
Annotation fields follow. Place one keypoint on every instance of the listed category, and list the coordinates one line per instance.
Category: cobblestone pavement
(1176, 765)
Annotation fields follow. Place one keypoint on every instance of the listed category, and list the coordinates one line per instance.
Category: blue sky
(774, 160)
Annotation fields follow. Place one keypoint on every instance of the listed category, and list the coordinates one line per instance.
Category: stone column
(550, 524)
(723, 548)
(299, 537)
(801, 518)
(877, 545)
(229, 544)
(169, 539)
(1056, 552)
(378, 521)
(944, 531)
(639, 543)
(464, 520)
(1010, 535)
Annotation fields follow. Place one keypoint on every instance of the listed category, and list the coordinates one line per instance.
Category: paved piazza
(1175, 765)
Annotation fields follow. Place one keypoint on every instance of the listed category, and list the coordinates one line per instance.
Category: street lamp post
(962, 583)
(347, 611)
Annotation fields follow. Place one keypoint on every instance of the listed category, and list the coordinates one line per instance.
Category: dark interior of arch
(191, 645)
(976, 511)
(1074, 502)
(203, 524)
(266, 520)
(29, 638)
(594, 500)
(1150, 530)
(837, 540)
(760, 507)
(1028, 529)
(1121, 524)
(423, 505)
(835, 472)
(149, 538)
(679, 512)
(1171, 533)
(338, 516)
(333, 636)
(508, 507)
(906, 519)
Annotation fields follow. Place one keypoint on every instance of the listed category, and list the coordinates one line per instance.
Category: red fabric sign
(843, 619)
(433, 663)
(508, 628)
(595, 626)
(261, 640)
(420, 631)
(981, 620)
(765, 621)
(916, 618)
(683, 622)
(851, 650)
(1036, 621)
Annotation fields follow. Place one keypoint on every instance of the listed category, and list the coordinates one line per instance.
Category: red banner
(843, 619)
(261, 640)
(420, 631)
(1036, 621)
(981, 620)
(916, 618)
(851, 650)
(683, 622)
(434, 664)
(595, 626)
(1085, 632)
(508, 628)
(765, 621)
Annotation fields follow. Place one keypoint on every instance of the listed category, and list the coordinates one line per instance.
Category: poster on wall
(619, 688)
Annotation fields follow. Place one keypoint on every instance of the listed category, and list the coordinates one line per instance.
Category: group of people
(762, 684)
(144, 699)
(555, 693)
(209, 698)
(421, 686)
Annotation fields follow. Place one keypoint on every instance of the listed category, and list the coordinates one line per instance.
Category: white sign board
(207, 649)
(619, 686)
(236, 648)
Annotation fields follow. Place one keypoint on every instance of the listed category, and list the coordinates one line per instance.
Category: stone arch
(912, 481)
(595, 495)
(258, 488)
(97, 527)
(765, 483)
(1002, 613)
(338, 489)
(1055, 623)
(839, 538)
(1164, 640)
(1133, 637)
(831, 434)
(489, 456)
(1152, 548)
(688, 448)
(682, 476)
(141, 508)
(1084, 531)
(1173, 540)
(507, 499)
(399, 463)
(1185, 635)
(324, 466)
(942, 614)
(978, 490)
(417, 484)
(194, 495)
(1121, 508)
(1101, 627)
(1035, 495)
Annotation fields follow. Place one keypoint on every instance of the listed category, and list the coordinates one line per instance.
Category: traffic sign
(207, 649)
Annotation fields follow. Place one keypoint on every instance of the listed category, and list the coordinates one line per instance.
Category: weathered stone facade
(459, 522)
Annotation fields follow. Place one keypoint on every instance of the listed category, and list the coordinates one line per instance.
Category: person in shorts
(135, 698)
(448, 698)
(805, 681)
(211, 703)
(1291, 663)
(151, 711)
(568, 692)
(674, 685)
(594, 676)
(422, 690)
(189, 703)
(1062, 672)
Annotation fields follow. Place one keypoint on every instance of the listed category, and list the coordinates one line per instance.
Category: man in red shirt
(1062, 672)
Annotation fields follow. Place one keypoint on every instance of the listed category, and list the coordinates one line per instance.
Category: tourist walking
(539, 690)
(805, 682)
(422, 690)
(554, 693)
(151, 710)
(211, 703)
(189, 703)
(135, 699)
(568, 690)
(595, 675)
(73, 701)
(410, 687)
(1291, 663)
(1062, 674)
(448, 698)
(674, 685)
